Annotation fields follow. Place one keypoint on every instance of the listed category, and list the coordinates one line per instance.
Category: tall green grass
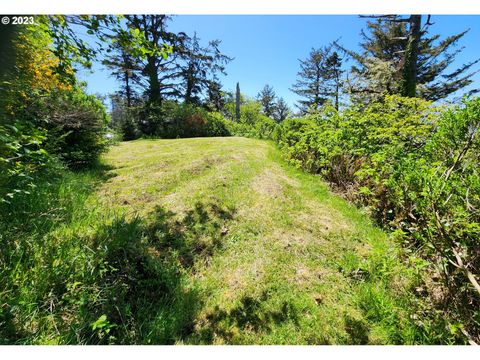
(74, 272)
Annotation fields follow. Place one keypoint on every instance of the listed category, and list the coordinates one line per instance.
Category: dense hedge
(45, 121)
(417, 169)
(76, 123)
(172, 120)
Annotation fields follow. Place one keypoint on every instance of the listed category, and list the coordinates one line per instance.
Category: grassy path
(267, 254)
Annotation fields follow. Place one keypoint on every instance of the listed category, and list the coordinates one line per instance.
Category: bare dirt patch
(288, 180)
(325, 218)
(267, 184)
(288, 238)
(244, 275)
(198, 166)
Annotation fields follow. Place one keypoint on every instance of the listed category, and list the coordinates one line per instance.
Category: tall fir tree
(319, 79)
(267, 98)
(281, 111)
(237, 102)
(200, 67)
(333, 77)
(215, 96)
(399, 56)
(159, 73)
(125, 68)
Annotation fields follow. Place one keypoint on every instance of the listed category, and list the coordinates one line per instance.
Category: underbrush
(415, 168)
(171, 120)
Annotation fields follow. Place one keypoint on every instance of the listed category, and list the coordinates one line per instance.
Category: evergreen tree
(200, 66)
(400, 57)
(125, 68)
(319, 79)
(159, 72)
(333, 76)
(267, 100)
(281, 110)
(215, 96)
(237, 102)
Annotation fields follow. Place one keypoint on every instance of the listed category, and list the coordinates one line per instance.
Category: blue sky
(266, 48)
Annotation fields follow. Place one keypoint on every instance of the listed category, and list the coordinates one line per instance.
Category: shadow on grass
(251, 314)
(121, 281)
(194, 237)
(357, 330)
(148, 296)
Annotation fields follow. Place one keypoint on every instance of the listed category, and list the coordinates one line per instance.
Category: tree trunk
(237, 103)
(154, 88)
(337, 89)
(409, 73)
(128, 91)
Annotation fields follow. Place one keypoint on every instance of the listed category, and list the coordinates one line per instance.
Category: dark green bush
(22, 158)
(172, 120)
(76, 124)
(417, 170)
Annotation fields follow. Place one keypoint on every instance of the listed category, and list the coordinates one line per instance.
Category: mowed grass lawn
(265, 253)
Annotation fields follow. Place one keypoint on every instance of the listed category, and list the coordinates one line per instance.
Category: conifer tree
(400, 57)
(333, 77)
(215, 96)
(319, 79)
(237, 102)
(125, 68)
(267, 98)
(200, 67)
(159, 72)
(281, 111)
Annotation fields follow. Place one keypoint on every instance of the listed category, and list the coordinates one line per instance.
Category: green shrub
(76, 123)
(22, 159)
(252, 122)
(354, 148)
(417, 170)
(217, 125)
(436, 207)
(172, 120)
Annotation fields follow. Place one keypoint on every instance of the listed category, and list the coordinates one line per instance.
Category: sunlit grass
(208, 240)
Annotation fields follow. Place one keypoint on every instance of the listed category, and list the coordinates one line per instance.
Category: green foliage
(389, 60)
(436, 201)
(77, 124)
(172, 120)
(345, 146)
(22, 158)
(102, 282)
(416, 170)
(267, 99)
(319, 79)
(252, 122)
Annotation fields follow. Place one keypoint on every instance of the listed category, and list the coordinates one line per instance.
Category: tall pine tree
(400, 57)
(200, 67)
(267, 98)
(281, 111)
(159, 73)
(125, 68)
(319, 79)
